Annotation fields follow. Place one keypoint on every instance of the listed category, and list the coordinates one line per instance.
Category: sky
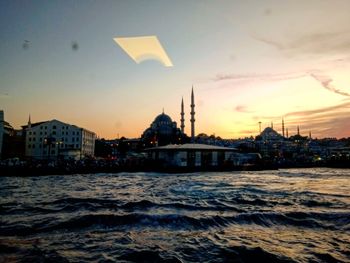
(248, 62)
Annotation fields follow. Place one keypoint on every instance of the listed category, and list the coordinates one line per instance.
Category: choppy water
(295, 215)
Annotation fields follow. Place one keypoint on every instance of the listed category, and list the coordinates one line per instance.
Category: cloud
(324, 80)
(326, 83)
(264, 77)
(313, 43)
(245, 132)
(333, 121)
(320, 110)
(242, 108)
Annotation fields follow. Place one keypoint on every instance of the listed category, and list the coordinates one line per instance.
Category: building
(6, 131)
(269, 134)
(57, 140)
(162, 131)
(192, 155)
(1, 131)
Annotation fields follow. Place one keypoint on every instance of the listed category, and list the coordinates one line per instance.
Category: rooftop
(192, 146)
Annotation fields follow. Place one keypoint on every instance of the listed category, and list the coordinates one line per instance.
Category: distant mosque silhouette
(164, 131)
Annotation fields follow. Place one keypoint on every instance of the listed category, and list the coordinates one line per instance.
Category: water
(294, 215)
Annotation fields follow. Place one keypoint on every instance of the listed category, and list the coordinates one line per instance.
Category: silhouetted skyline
(249, 62)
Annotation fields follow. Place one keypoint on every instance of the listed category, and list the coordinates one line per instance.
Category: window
(41, 133)
(72, 139)
(34, 139)
(30, 139)
(66, 133)
(33, 146)
(77, 145)
(54, 127)
(54, 132)
(41, 127)
(45, 133)
(45, 127)
(73, 133)
(40, 146)
(34, 133)
(29, 146)
(30, 133)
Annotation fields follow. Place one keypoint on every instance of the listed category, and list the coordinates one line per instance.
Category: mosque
(164, 131)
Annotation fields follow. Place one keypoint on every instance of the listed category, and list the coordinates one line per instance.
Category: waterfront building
(56, 139)
(1, 130)
(6, 130)
(192, 155)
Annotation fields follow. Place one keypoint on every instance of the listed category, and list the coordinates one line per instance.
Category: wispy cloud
(331, 121)
(341, 106)
(242, 108)
(313, 43)
(264, 77)
(326, 81)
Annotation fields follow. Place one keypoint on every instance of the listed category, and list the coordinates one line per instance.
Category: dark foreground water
(295, 215)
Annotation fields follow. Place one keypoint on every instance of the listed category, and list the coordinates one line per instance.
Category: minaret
(29, 122)
(192, 116)
(271, 125)
(287, 132)
(259, 127)
(298, 131)
(182, 117)
(282, 127)
(310, 135)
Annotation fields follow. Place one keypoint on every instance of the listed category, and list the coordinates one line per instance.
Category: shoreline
(15, 171)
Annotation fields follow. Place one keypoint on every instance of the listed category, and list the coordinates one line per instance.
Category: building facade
(55, 139)
(6, 132)
(2, 131)
(193, 155)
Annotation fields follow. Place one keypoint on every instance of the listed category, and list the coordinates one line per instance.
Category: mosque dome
(163, 130)
(162, 118)
(270, 134)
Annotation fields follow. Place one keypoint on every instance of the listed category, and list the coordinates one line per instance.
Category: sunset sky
(248, 61)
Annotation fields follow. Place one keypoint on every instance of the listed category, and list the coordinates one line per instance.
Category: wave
(209, 253)
(251, 254)
(145, 255)
(327, 257)
(32, 254)
(329, 221)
